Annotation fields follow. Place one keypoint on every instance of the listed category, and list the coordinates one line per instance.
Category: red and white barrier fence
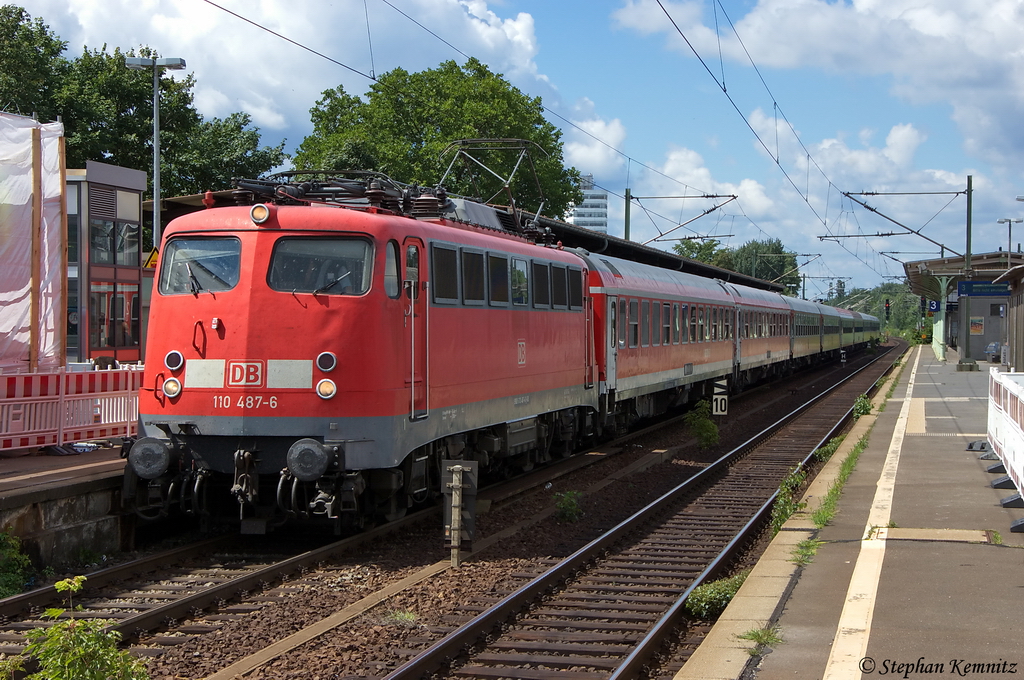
(46, 409)
(1006, 421)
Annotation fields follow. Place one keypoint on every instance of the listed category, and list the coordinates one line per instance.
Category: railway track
(182, 586)
(606, 610)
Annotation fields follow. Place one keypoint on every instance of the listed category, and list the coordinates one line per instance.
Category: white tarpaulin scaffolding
(33, 235)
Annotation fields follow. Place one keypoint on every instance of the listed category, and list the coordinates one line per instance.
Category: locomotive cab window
(392, 279)
(559, 287)
(323, 266)
(194, 265)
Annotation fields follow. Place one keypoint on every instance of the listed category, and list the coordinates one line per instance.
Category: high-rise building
(592, 213)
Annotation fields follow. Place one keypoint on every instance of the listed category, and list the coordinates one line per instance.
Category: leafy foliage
(14, 566)
(699, 422)
(80, 649)
(569, 505)
(408, 119)
(786, 502)
(107, 110)
(708, 600)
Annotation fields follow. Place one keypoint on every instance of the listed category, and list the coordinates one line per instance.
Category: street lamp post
(1009, 245)
(139, 64)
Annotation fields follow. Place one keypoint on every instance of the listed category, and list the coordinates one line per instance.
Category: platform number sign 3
(720, 398)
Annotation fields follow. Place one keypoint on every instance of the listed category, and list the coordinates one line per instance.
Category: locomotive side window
(322, 266)
(192, 265)
(559, 287)
(541, 285)
(392, 280)
(575, 288)
(634, 323)
(446, 274)
(520, 282)
(497, 268)
(472, 278)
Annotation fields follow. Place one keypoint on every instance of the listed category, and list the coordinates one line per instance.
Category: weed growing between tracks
(786, 502)
(699, 422)
(80, 649)
(825, 512)
(710, 599)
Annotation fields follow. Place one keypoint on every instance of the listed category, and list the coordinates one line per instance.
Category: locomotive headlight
(150, 458)
(171, 387)
(326, 389)
(174, 360)
(308, 459)
(260, 213)
(326, 361)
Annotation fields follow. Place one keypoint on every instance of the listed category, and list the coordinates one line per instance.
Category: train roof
(496, 217)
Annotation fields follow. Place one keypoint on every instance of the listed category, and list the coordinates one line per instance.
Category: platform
(65, 508)
(917, 576)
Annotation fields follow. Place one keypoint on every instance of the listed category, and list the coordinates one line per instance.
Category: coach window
(700, 324)
(541, 285)
(656, 324)
(675, 323)
(520, 282)
(446, 274)
(634, 323)
(391, 277)
(497, 268)
(714, 323)
(623, 326)
(693, 324)
(559, 287)
(727, 314)
(666, 323)
(472, 277)
(645, 323)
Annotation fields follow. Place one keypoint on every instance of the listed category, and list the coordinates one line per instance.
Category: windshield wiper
(193, 282)
(327, 286)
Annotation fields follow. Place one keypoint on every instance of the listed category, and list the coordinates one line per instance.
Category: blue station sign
(982, 289)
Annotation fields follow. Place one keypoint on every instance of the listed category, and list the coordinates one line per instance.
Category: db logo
(245, 374)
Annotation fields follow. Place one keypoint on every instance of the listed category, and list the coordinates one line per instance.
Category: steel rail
(451, 645)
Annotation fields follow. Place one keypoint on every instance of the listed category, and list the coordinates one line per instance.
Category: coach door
(417, 326)
(611, 337)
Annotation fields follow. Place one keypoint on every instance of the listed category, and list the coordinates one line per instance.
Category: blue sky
(883, 95)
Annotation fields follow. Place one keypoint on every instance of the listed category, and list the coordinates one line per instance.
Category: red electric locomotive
(321, 360)
(318, 351)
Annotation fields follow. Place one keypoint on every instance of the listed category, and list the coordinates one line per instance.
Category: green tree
(107, 111)
(768, 260)
(702, 250)
(216, 151)
(408, 119)
(30, 64)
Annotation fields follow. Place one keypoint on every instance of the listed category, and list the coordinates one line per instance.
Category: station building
(970, 309)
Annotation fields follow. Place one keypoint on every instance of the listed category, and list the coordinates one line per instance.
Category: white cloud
(595, 153)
